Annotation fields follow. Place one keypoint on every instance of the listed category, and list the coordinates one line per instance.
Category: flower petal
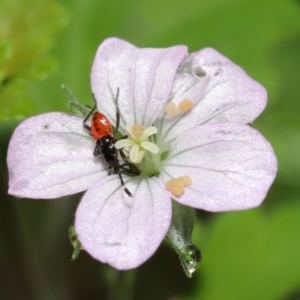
(220, 91)
(50, 156)
(120, 230)
(145, 78)
(231, 165)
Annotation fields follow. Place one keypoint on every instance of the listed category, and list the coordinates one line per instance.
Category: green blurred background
(250, 254)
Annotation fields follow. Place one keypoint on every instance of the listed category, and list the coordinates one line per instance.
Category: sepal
(74, 106)
(180, 234)
(74, 241)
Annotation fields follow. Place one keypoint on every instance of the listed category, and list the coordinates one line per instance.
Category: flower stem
(119, 283)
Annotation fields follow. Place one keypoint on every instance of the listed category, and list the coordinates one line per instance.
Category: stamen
(171, 109)
(185, 104)
(169, 184)
(177, 185)
(137, 142)
(186, 180)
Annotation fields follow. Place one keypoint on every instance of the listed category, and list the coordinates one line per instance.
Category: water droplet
(190, 257)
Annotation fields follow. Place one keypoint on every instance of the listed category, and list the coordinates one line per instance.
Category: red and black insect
(102, 131)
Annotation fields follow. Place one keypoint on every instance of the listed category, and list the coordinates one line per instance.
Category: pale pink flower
(200, 104)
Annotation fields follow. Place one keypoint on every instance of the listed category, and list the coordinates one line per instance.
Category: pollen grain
(177, 185)
(185, 104)
(186, 180)
(171, 109)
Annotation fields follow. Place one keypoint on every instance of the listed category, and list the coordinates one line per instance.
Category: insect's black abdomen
(106, 148)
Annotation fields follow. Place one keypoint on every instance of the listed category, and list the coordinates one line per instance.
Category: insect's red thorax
(100, 126)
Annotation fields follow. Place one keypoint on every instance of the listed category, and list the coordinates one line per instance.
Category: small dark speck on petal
(116, 244)
(222, 132)
(199, 72)
(45, 126)
(219, 72)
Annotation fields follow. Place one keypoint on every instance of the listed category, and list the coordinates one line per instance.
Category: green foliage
(251, 255)
(26, 35)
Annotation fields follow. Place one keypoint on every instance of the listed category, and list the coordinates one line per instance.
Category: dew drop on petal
(190, 257)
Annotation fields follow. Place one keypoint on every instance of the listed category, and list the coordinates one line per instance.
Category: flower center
(148, 151)
(137, 130)
(140, 148)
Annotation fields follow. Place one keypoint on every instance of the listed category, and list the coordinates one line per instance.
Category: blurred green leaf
(246, 31)
(26, 35)
(14, 102)
(243, 30)
(280, 122)
(252, 254)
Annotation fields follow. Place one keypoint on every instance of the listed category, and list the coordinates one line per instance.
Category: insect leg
(109, 170)
(123, 184)
(97, 151)
(86, 118)
(132, 167)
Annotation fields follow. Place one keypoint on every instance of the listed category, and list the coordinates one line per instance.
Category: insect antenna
(87, 117)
